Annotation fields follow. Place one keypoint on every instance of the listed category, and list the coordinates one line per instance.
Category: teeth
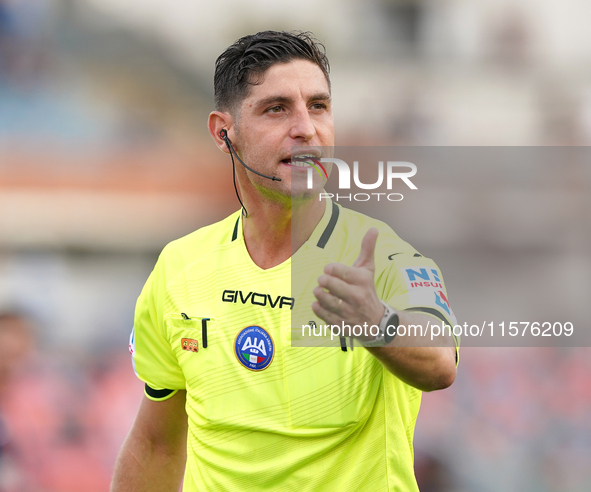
(300, 162)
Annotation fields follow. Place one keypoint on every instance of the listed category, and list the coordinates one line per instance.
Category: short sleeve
(413, 282)
(154, 361)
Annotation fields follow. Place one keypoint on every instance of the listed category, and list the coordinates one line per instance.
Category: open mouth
(307, 161)
(302, 161)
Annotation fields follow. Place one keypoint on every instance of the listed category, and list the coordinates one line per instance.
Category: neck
(274, 231)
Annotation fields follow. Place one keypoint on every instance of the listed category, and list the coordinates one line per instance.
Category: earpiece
(224, 136)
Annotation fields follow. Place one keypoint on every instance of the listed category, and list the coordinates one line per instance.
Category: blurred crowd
(516, 419)
(62, 421)
(23, 41)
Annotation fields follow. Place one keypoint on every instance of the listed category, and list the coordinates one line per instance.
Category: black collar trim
(330, 227)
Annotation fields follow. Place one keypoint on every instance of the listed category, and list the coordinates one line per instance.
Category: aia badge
(442, 301)
(254, 348)
(190, 344)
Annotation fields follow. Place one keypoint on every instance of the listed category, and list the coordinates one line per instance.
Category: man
(213, 328)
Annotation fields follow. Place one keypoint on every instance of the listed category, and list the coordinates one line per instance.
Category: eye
(319, 106)
(275, 109)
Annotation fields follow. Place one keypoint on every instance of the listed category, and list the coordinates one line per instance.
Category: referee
(230, 404)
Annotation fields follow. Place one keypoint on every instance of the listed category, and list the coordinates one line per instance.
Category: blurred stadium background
(105, 157)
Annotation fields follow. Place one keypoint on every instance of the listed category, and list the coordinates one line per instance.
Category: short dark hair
(244, 63)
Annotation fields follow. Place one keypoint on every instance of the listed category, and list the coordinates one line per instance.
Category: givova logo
(254, 348)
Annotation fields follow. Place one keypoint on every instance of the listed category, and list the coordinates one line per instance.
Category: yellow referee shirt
(263, 413)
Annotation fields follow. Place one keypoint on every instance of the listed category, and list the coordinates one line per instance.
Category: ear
(218, 121)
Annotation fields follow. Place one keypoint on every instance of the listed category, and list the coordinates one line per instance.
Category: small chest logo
(190, 344)
(254, 348)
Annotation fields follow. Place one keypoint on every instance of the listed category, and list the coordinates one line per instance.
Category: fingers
(336, 286)
(350, 275)
(328, 306)
(328, 300)
(325, 314)
(368, 247)
(348, 292)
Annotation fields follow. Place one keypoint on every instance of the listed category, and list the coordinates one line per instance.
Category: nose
(302, 128)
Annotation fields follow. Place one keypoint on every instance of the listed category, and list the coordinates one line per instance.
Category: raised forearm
(425, 363)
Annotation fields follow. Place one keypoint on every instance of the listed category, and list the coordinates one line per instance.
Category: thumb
(368, 246)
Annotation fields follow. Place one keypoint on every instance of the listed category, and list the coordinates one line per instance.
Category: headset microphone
(224, 136)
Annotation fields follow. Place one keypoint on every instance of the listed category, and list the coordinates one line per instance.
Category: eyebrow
(278, 99)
